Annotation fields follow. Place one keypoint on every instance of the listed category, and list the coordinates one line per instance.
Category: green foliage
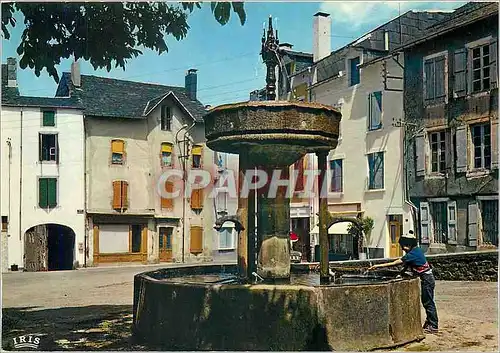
(366, 224)
(99, 32)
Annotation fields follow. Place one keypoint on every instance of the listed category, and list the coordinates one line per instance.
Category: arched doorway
(49, 247)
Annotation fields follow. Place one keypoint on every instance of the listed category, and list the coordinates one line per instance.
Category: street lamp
(184, 147)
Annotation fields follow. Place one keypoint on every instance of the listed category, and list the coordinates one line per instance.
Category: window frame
(123, 153)
(489, 40)
(331, 176)
(371, 96)
(472, 148)
(231, 235)
(369, 187)
(38, 179)
(358, 70)
(40, 149)
(435, 100)
(42, 120)
(160, 235)
(439, 143)
(171, 165)
(166, 119)
(193, 154)
(124, 202)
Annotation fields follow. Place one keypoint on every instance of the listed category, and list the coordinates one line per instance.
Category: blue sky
(227, 57)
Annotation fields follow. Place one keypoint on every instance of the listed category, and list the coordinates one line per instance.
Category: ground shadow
(96, 327)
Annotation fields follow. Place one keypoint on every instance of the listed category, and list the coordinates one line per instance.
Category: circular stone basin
(207, 308)
(277, 132)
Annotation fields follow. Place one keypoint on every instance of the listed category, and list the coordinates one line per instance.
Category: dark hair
(410, 242)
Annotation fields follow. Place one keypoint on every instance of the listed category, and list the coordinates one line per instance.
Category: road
(90, 309)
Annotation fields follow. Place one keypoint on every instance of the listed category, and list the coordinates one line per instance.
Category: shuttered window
(197, 152)
(166, 154)
(299, 174)
(435, 79)
(196, 240)
(354, 78)
(166, 118)
(489, 216)
(374, 111)
(48, 118)
(481, 71)
(48, 147)
(168, 202)
(47, 192)
(481, 141)
(197, 199)
(336, 167)
(117, 151)
(438, 151)
(120, 195)
(376, 171)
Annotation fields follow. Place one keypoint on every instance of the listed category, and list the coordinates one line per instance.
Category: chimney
(76, 78)
(386, 40)
(322, 41)
(191, 83)
(11, 72)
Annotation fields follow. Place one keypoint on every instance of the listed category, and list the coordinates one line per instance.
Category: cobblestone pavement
(91, 309)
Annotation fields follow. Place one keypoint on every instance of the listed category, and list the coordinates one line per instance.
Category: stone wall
(466, 266)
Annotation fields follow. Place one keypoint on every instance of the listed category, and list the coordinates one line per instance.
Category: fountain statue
(219, 307)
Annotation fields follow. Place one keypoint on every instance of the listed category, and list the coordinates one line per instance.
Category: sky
(227, 57)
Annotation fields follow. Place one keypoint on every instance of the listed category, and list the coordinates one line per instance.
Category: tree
(362, 234)
(101, 33)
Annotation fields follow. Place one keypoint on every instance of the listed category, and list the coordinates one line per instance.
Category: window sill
(435, 176)
(48, 162)
(335, 194)
(374, 190)
(477, 173)
(374, 130)
(227, 249)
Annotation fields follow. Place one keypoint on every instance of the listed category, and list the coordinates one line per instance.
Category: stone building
(451, 119)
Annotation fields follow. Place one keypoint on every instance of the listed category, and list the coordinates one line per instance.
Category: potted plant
(363, 237)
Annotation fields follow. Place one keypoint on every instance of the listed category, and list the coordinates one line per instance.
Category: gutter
(85, 174)
(21, 183)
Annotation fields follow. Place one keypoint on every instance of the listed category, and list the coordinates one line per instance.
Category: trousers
(428, 283)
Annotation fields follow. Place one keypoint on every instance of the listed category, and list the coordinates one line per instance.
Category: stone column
(246, 212)
(273, 230)
(323, 218)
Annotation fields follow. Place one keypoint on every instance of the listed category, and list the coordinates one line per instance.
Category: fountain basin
(275, 132)
(175, 312)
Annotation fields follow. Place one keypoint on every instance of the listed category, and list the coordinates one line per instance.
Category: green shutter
(42, 193)
(52, 192)
(49, 118)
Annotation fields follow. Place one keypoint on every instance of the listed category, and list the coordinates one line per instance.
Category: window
(489, 215)
(197, 199)
(442, 215)
(336, 179)
(196, 240)
(226, 238)
(481, 61)
(298, 168)
(136, 234)
(374, 111)
(376, 171)
(221, 201)
(120, 195)
(354, 71)
(168, 203)
(48, 150)
(197, 156)
(48, 118)
(166, 154)
(165, 238)
(117, 151)
(439, 222)
(5, 223)
(481, 140)
(47, 192)
(166, 118)
(434, 79)
(438, 151)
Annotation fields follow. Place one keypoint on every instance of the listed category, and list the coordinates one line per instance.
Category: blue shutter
(354, 71)
(379, 171)
(371, 172)
(377, 110)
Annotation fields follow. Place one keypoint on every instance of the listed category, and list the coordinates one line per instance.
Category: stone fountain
(221, 307)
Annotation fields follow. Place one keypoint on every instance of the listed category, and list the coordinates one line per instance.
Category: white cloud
(356, 14)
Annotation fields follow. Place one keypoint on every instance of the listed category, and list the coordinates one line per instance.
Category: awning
(337, 228)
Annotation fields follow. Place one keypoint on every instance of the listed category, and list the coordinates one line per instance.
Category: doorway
(165, 243)
(395, 223)
(300, 226)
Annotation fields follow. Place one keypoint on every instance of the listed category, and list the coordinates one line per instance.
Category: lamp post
(183, 145)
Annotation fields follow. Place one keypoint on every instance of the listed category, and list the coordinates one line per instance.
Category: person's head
(408, 242)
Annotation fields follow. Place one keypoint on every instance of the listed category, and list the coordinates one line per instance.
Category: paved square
(92, 309)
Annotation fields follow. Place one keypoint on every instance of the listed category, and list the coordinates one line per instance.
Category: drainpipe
(85, 235)
(9, 186)
(21, 184)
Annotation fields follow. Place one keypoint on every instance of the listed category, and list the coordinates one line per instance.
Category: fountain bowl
(274, 132)
(175, 310)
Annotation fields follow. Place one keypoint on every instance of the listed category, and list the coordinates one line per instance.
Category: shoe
(426, 324)
(430, 330)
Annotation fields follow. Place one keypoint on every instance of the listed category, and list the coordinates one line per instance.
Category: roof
(461, 17)
(114, 98)
(11, 97)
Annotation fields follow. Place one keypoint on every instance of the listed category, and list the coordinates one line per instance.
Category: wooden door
(395, 234)
(165, 243)
(35, 249)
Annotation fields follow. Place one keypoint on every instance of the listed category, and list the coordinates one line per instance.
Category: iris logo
(26, 341)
